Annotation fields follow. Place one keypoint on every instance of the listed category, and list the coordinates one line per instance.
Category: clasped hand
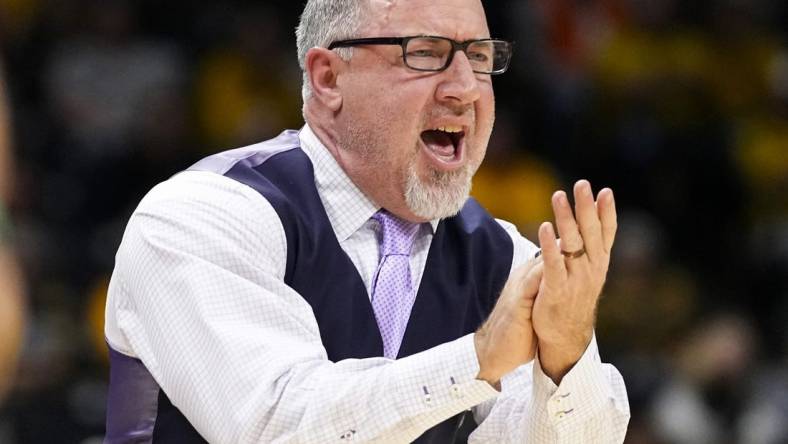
(549, 304)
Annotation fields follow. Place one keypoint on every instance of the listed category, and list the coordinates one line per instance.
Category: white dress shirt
(198, 296)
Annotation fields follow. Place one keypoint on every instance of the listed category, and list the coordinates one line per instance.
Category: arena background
(680, 106)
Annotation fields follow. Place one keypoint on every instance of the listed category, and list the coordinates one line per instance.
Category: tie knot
(396, 234)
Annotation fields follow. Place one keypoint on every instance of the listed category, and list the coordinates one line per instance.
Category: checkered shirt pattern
(198, 295)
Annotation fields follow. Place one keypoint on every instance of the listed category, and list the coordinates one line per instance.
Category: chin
(438, 196)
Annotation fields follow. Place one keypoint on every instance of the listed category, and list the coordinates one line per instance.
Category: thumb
(532, 280)
(524, 282)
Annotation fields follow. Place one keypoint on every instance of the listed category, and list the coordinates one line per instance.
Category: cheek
(402, 116)
(485, 118)
(485, 110)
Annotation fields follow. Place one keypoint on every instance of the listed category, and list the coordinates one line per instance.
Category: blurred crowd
(680, 107)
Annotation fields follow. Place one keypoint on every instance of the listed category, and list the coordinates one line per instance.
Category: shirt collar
(347, 207)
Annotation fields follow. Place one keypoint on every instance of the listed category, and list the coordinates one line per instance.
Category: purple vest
(467, 265)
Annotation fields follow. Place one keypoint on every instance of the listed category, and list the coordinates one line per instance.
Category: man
(321, 287)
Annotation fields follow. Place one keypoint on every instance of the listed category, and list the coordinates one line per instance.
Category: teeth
(450, 129)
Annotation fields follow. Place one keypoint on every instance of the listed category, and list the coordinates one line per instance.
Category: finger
(606, 208)
(554, 265)
(588, 220)
(520, 273)
(565, 221)
(523, 284)
(532, 281)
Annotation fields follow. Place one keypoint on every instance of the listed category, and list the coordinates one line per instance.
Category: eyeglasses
(430, 53)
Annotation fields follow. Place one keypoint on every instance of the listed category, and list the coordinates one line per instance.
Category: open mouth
(444, 143)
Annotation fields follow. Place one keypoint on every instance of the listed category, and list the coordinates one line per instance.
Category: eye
(422, 53)
(478, 57)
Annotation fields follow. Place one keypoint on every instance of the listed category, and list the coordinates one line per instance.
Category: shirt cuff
(446, 385)
(583, 391)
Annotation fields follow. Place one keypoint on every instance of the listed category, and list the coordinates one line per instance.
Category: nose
(459, 84)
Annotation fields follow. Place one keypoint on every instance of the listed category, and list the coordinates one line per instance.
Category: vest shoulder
(473, 217)
(249, 156)
(480, 229)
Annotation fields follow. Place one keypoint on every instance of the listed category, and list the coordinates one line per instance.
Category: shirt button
(427, 396)
(456, 391)
(562, 415)
(557, 398)
(347, 435)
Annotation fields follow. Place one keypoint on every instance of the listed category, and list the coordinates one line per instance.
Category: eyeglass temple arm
(367, 41)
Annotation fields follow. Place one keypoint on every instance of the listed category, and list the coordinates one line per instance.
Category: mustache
(467, 110)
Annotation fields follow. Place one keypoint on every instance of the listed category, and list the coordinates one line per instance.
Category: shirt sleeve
(589, 406)
(198, 296)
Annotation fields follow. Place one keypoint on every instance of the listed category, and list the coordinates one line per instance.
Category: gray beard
(441, 195)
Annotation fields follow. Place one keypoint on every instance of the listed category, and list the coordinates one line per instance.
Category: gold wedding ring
(574, 254)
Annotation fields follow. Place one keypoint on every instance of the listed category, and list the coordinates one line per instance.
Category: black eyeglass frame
(403, 43)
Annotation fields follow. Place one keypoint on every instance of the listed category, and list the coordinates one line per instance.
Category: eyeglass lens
(429, 53)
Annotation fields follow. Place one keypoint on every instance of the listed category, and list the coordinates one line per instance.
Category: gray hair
(322, 22)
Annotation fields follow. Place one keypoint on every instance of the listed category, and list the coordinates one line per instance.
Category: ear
(323, 67)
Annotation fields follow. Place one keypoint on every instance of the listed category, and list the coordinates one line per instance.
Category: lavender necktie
(392, 292)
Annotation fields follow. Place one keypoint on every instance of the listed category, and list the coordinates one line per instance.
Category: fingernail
(586, 187)
(563, 200)
(606, 193)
